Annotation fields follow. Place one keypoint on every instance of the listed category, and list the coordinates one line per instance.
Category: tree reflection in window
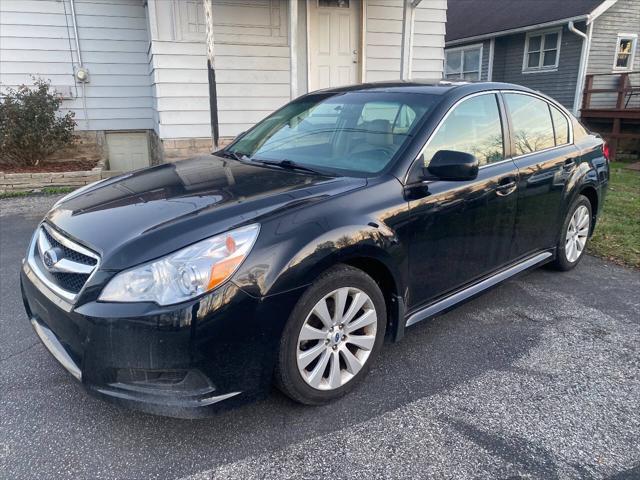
(531, 119)
(472, 127)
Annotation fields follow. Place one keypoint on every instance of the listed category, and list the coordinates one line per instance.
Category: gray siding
(484, 71)
(559, 84)
(36, 38)
(622, 17)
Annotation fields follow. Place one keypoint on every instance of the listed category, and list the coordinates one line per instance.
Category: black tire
(561, 262)
(288, 378)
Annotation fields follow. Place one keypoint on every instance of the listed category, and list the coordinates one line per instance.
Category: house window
(542, 51)
(463, 63)
(625, 51)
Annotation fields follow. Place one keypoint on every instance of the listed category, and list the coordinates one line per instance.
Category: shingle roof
(470, 18)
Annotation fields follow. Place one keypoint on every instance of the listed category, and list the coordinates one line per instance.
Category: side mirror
(453, 165)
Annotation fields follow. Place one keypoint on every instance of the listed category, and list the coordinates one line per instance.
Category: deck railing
(624, 96)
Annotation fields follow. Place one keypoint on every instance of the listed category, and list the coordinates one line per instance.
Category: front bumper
(187, 360)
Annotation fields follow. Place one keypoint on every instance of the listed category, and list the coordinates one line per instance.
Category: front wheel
(574, 235)
(332, 336)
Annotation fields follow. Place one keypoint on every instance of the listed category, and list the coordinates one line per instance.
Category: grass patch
(617, 235)
(43, 191)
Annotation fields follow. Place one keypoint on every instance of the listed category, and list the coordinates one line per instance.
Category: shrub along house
(135, 72)
(571, 50)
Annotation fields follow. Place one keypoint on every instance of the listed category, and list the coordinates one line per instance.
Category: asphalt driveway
(539, 378)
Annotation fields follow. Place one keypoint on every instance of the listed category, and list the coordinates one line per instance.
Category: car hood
(146, 214)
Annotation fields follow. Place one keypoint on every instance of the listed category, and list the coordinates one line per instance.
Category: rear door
(546, 158)
(462, 230)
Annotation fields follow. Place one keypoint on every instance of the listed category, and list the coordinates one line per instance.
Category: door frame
(360, 42)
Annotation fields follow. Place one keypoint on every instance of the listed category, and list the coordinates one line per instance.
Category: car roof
(429, 87)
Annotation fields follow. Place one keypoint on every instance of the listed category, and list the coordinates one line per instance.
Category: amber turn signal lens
(222, 270)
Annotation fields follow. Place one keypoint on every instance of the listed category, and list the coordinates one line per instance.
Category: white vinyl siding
(383, 39)
(428, 39)
(252, 65)
(36, 38)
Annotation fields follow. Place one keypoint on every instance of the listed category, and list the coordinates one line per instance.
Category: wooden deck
(614, 112)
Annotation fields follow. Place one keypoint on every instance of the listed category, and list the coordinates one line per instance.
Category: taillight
(605, 151)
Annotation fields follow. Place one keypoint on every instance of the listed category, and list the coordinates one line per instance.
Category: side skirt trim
(474, 289)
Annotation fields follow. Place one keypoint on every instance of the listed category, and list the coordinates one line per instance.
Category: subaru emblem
(50, 258)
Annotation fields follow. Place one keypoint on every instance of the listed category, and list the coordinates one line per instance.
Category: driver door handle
(506, 186)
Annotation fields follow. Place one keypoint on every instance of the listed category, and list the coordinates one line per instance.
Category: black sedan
(340, 220)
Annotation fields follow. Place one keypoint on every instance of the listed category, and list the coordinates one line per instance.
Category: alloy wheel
(577, 233)
(336, 338)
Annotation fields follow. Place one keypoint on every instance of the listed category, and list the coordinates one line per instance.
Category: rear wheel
(574, 235)
(332, 336)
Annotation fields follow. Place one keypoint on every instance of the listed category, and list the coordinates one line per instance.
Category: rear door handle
(568, 165)
(506, 186)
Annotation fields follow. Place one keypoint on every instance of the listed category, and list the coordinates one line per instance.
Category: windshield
(350, 133)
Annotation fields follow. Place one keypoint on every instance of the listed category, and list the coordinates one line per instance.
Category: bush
(31, 127)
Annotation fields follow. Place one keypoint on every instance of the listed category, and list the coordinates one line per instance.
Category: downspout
(211, 74)
(582, 70)
(75, 30)
(408, 20)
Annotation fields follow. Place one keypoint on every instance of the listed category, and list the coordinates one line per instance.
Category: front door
(463, 229)
(333, 43)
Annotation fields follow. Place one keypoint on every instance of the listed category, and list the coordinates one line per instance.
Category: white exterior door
(334, 32)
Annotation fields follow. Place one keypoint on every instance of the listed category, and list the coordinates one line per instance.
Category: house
(583, 53)
(135, 72)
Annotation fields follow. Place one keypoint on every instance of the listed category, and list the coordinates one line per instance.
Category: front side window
(625, 51)
(346, 133)
(531, 122)
(542, 50)
(473, 127)
(463, 63)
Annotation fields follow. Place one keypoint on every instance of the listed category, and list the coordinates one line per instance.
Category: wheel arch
(591, 193)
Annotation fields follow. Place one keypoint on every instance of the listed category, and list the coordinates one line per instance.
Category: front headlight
(185, 274)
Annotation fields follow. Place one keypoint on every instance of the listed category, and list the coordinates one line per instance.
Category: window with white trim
(542, 50)
(625, 51)
(463, 63)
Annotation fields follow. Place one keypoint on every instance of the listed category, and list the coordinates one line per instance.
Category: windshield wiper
(288, 164)
(234, 155)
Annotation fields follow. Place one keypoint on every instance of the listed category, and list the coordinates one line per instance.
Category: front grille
(72, 282)
(70, 266)
(70, 254)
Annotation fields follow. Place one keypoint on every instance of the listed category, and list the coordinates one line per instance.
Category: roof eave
(537, 26)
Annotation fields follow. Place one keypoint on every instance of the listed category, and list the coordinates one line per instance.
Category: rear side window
(532, 126)
(560, 126)
(473, 127)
